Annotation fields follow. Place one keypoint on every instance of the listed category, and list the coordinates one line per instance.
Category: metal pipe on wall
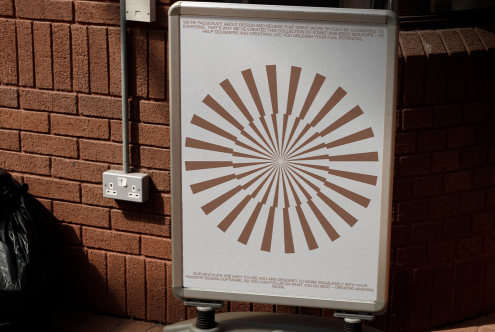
(125, 107)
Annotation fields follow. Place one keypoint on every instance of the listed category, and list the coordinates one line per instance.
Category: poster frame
(289, 13)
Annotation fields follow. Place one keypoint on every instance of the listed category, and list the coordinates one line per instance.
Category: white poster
(282, 134)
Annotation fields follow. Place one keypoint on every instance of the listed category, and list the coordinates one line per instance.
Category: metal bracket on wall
(354, 314)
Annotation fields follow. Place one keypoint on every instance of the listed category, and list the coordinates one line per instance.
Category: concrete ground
(71, 320)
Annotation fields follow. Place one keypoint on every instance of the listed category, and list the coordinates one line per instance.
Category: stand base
(266, 322)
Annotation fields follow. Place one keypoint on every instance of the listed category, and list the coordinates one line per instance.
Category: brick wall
(60, 129)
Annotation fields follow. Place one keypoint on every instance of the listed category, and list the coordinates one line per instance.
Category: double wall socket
(132, 187)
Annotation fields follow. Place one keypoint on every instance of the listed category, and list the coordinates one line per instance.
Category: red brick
(157, 203)
(9, 140)
(469, 247)
(156, 247)
(78, 276)
(105, 107)
(447, 116)
(35, 121)
(445, 161)
(157, 64)
(444, 206)
(441, 295)
(97, 12)
(97, 278)
(421, 299)
(106, 152)
(427, 186)
(144, 134)
(483, 221)
(399, 304)
(68, 233)
(114, 61)
(489, 298)
(309, 311)
(459, 291)
(136, 287)
(262, 307)
(62, 275)
(414, 210)
(457, 64)
(417, 118)
(81, 214)
(402, 188)
(410, 256)
(61, 56)
(401, 234)
(155, 290)
(475, 290)
(485, 132)
(457, 227)
(78, 170)
(80, 57)
(51, 145)
(25, 55)
(491, 153)
(98, 59)
(458, 181)
(473, 201)
(6, 8)
(155, 158)
(440, 252)
(59, 10)
(79, 126)
(30, 9)
(490, 198)
(487, 37)
(435, 66)
(432, 140)
(461, 136)
(8, 97)
(111, 240)
(58, 102)
(138, 64)
(476, 63)
(284, 309)
(475, 156)
(405, 142)
(414, 67)
(476, 112)
(46, 203)
(153, 112)
(43, 55)
(242, 306)
(26, 163)
(427, 232)
(161, 16)
(159, 180)
(489, 242)
(8, 52)
(140, 223)
(93, 195)
(51, 188)
(116, 284)
(484, 177)
(414, 165)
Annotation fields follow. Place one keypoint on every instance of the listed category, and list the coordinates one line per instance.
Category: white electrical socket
(140, 10)
(132, 187)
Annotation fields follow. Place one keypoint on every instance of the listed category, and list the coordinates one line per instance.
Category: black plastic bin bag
(27, 258)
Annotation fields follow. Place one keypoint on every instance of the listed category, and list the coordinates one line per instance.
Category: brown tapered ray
(279, 160)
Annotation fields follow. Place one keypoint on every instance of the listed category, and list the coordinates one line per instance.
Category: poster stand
(205, 298)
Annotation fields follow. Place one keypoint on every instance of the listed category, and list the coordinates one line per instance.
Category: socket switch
(132, 187)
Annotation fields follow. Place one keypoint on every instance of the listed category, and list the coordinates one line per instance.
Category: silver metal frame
(291, 13)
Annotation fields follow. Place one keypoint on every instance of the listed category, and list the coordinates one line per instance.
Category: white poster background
(345, 269)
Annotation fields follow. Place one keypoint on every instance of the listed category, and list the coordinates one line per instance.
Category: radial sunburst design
(279, 160)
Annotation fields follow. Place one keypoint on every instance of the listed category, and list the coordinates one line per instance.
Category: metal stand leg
(205, 318)
(353, 325)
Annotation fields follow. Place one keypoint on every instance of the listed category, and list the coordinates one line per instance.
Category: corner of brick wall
(60, 128)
